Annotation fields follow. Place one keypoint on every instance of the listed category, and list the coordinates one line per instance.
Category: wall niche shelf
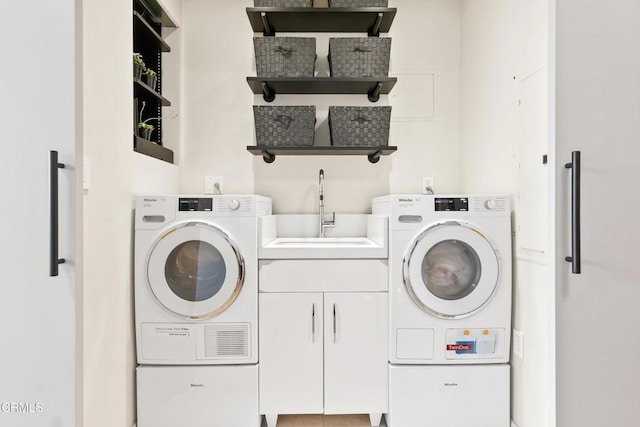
(150, 148)
(158, 14)
(142, 86)
(149, 17)
(270, 86)
(269, 153)
(151, 40)
(370, 20)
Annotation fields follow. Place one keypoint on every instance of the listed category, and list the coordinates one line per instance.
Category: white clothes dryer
(450, 278)
(196, 292)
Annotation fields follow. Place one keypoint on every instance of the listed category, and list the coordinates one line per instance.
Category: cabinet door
(290, 352)
(597, 41)
(355, 351)
(39, 114)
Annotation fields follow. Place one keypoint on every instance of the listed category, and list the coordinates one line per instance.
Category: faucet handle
(330, 222)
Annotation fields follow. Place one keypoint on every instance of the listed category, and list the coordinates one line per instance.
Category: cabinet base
(307, 420)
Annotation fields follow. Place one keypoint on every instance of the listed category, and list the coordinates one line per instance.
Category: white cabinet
(290, 349)
(355, 353)
(40, 131)
(323, 353)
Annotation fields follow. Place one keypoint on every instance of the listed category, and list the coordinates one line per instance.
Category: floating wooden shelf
(269, 152)
(371, 20)
(270, 86)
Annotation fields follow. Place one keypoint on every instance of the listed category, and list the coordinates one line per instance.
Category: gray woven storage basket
(285, 56)
(283, 3)
(285, 125)
(359, 57)
(358, 3)
(360, 126)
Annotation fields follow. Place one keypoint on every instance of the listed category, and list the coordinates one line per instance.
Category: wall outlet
(427, 185)
(518, 343)
(213, 184)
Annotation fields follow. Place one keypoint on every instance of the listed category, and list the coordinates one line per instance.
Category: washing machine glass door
(451, 269)
(195, 270)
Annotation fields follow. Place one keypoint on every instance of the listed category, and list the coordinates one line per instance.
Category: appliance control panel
(195, 204)
(471, 204)
(218, 205)
(451, 204)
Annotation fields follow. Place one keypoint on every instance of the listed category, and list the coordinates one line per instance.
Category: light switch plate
(86, 173)
(518, 343)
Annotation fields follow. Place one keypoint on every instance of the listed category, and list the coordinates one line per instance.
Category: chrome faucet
(323, 223)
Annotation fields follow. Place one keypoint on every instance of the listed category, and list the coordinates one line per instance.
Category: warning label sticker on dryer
(462, 347)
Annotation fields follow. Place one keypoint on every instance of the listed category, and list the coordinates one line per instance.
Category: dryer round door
(451, 269)
(195, 270)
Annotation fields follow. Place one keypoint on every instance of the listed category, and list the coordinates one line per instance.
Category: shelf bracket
(268, 157)
(268, 31)
(375, 30)
(267, 93)
(374, 157)
(374, 95)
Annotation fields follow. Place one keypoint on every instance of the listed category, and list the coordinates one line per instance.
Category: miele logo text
(405, 200)
(21, 407)
(451, 384)
(197, 385)
(150, 200)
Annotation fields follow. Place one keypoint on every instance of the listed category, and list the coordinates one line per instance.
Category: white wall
(488, 88)
(218, 116)
(116, 173)
(455, 118)
(504, 135)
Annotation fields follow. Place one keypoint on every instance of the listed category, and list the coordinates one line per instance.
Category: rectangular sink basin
(322, 241)
(354, 237)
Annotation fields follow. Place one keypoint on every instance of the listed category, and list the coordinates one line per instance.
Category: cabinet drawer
(318, 275)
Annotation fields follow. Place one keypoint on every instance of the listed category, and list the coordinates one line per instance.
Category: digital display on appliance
(451, 204)
(195, 204)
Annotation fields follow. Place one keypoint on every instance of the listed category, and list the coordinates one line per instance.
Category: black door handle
(54, 261)
(574, 259)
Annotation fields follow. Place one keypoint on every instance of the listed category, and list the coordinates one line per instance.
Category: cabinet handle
(313, 323)
(334, 323)
(54, 261)
(574, 259)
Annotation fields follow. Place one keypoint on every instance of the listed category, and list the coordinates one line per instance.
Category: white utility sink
(292, 237)
(322, 241)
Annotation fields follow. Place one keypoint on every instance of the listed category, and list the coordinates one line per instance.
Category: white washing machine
(450, 278)
(196, 292)
(449, 309)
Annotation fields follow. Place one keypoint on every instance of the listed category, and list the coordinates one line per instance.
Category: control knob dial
(490, 204)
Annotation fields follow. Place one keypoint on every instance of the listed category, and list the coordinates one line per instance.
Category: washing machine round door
(195, 270)
(451, 269)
